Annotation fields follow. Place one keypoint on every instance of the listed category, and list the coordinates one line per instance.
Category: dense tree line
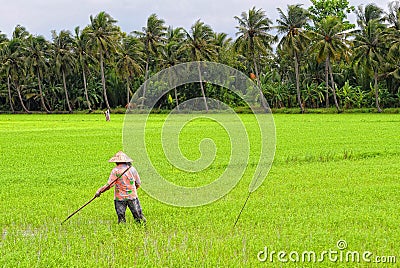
(317, 59)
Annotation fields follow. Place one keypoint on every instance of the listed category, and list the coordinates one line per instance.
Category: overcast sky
(42, 16)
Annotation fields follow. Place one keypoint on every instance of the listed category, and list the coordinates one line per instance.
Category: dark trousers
(134, 206)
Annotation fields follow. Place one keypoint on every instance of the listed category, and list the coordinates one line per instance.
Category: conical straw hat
(120, 157)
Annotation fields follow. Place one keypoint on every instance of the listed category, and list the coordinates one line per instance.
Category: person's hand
(98, 193)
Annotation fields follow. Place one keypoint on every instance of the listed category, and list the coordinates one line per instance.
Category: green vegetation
(334, 177)
(318, 59)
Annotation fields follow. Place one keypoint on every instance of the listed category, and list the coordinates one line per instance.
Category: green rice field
(333, 190)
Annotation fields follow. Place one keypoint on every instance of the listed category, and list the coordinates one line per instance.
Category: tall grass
(334, 177)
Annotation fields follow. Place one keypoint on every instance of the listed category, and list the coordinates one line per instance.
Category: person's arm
(102, 189)
(137, 179)
(110, 183)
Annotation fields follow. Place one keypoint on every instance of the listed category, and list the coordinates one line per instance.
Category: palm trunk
(85, 87)
(327, 82)
(128, 99)
(103, 80)
(296, 68)
(262, 99)
(333, 88)
(146, 75)
(41, 94)
(66, 92)
(9, 93)
(175, 91)
(176, 94)
(20, 99)
(176, 99)
(201, 86)
(376, 92)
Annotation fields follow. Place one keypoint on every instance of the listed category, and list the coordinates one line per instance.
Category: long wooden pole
(94, 197)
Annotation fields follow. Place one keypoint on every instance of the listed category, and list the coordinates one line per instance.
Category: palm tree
(63, 58)
(253, 39)
(82, 51)
(16, 61)
(199, 46)
(224, 48)
(5, 60)
(152, 36)
(3, 37)
(38, 50)
(393, 15)
(367, 14)
(294, 39)
(103, 36)
(392, 33)
(330, 45)
(128, 61)
(392, 36)
(171, 53)
(369, 45)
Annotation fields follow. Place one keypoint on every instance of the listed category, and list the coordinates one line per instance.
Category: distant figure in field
(107, 115)
(129, 106)
(125, 193)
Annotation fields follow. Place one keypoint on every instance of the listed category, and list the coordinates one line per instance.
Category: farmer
(107, 115)
(125, 193)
